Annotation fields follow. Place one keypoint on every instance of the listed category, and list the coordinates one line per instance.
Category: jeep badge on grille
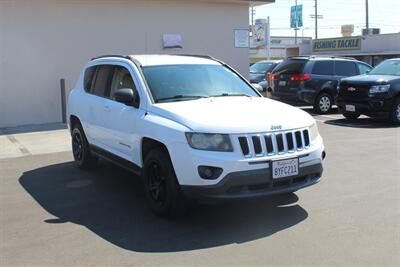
(276, 127)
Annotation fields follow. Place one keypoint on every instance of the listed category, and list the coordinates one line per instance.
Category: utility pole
(316, 19)
(253, 12)
(366, 16)
(296, 28)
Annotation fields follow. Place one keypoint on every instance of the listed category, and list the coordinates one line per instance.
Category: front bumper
(255, 183)
(369, 106)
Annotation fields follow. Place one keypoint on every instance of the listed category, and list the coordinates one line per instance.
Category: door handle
(107, 109)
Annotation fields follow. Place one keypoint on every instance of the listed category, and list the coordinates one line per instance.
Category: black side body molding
(121, 162)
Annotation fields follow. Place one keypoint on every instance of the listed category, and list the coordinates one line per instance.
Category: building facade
(371, 49)
(44, 41)
(281, 47)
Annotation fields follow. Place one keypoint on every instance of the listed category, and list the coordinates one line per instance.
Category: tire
(395, 114)
(351, 116)
(323, 103)
(81, 149)
(163, 192)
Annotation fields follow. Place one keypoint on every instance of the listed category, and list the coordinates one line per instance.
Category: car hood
(256, 77)
(370, 79)
(233, 115)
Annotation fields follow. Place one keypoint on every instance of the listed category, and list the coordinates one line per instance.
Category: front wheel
(163, 193)
(395, 114)
(351, 116)
(323, 103)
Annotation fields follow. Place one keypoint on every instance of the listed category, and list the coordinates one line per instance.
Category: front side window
(187, 82)
(364, 68)
(102, 84)
(388, 67)
(122, 79)
(323, 67)
(345, 68)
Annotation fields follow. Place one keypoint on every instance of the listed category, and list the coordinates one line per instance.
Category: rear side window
(363, 68)
(291, 66)
(103, 80)
(88, 78)
(345, 68)
(323, 67)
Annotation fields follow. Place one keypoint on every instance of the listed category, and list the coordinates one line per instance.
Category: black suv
(376, 94)
(312, 80)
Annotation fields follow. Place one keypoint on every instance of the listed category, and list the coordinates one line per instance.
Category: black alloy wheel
(157, 184)
(81, 149)
(163, 192)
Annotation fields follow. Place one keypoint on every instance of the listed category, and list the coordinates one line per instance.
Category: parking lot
(53, 214)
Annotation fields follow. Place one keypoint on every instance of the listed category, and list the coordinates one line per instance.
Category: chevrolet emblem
(351, 89)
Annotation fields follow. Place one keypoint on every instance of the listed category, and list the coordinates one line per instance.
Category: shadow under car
(111, 203)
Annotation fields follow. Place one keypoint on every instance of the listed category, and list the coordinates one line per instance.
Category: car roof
(157, 60)
(393, 59)
(269, 61)
(160, 60)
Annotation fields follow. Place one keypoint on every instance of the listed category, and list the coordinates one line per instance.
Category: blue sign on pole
(296, 16)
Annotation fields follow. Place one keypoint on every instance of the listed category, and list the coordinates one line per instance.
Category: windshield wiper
(227, 94)
(181, 97)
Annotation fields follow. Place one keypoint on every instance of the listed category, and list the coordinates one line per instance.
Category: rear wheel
(163, 193)
(323, 103)
(395, 114)
(81, 149)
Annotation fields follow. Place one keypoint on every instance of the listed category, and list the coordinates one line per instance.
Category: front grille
(278, 143)
(357, 91)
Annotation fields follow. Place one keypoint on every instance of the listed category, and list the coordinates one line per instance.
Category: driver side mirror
(258, 87)
(127, 96)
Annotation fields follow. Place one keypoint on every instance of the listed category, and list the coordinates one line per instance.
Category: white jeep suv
(192, 128)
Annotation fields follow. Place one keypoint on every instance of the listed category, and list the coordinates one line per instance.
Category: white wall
(42, 41)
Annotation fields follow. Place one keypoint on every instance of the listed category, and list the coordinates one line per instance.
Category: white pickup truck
(192, 128)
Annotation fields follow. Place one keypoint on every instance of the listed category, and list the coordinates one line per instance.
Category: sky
(383, 14)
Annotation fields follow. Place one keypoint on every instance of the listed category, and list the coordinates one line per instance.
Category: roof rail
(194, 55)
(323, 56)
(104, 56)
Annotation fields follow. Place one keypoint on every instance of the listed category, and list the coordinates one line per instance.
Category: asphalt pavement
(53, 214)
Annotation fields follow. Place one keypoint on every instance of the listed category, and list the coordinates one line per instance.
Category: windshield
(261, 67)
(388, 67)
(188, 82)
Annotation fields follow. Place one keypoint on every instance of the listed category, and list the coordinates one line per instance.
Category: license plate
(285, 168)
(282, 83)
(351, 108)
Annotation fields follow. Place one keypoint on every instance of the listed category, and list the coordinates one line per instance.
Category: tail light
(300, 77)
(270, 76)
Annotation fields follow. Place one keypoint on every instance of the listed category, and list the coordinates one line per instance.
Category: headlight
(212, 142)
(314, 132)
(379, 89)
